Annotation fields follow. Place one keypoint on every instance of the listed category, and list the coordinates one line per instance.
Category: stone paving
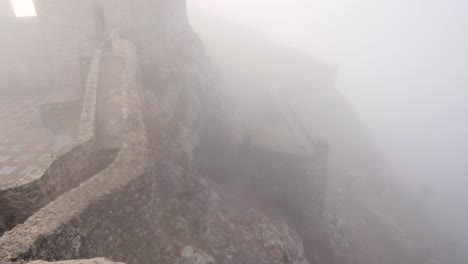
(23, 138)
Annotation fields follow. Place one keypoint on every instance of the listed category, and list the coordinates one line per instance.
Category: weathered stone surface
(137, 211)
(72, 225)
(192, 255)
(151, 204)
(90, 261)
(227, 230)
(55, 174)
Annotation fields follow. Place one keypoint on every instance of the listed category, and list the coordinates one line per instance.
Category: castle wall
(55, 174)
(90, 261)
(75, 223)
(51, 51)
(74, 28)
(140, 209)
(294, 183)
(148, 210)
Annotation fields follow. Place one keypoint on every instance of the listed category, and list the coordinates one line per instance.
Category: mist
(402, 65)
(240, 132)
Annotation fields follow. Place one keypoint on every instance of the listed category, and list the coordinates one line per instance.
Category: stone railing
(57, 173)
(108, 212)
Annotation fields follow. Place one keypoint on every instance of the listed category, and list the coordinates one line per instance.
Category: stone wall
(47, 52)
(73, 28)
(147, 208)
(90, 261)
(291, 182)
(55, 174)
(96, 212)
(271, 163)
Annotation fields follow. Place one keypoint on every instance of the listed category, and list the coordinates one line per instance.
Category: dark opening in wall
(23, 8)
(99, 19)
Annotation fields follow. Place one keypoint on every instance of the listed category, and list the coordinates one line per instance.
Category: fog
(251, 131)
(403, 66)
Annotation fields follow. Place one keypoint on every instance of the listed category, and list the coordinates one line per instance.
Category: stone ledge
(86, 130)
(57, 173)
(56, 231)
(89, 261)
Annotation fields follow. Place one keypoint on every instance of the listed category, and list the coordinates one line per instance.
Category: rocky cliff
(187, 182)
(369, 217)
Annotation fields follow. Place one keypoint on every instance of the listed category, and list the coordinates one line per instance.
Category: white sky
(23, 8)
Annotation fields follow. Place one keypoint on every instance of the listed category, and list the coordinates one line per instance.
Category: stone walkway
(23, 138)
(109, 112)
